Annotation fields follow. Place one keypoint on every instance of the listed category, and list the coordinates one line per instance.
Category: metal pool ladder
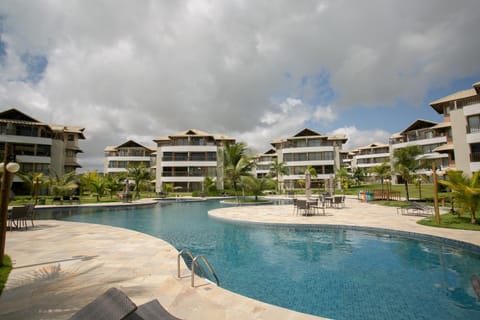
(194, 262)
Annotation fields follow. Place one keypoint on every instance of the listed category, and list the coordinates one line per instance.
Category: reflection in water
(318, 271)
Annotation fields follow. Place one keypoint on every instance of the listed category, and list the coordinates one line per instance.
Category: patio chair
(319, 204)
(31, 212)
(338, 201)
(150, 311)
(295, 208)
(303, 205)
(18, 217)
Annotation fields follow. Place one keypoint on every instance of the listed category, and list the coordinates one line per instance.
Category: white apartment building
(185, 159)
(370, 156)
(309, 148)
(461, 114)
(119, 158)
(429, 136)
(264, 163)
(39, 147)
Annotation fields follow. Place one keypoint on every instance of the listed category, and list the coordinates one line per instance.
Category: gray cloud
(146, 68)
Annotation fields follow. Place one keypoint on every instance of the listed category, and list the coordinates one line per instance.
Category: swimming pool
(335, 273)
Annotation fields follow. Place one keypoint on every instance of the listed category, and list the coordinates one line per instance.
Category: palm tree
(278, 169)
(343, 177)
(405, 163)
(113, 183)
(209, 184)
(139, 174)
(34, 181)
(465, 191)
(63, 185)
(237, 164)
(382, 171)
(257, 185)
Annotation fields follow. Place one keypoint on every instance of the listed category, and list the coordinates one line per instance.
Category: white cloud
(122, 68)
(360, 138)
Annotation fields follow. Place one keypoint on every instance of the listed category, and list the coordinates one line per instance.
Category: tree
(95, 183)
(359, 175)
(343, 177)
(382, 171)
(139, 174)
(63, 185)
(277, 170)
(257, 185)
(237, 164)
(209, 184)
(34, 181)
(465, 191)
(113, 183)
(405, 163)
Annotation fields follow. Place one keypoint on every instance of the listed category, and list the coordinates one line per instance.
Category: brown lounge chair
(116, 305)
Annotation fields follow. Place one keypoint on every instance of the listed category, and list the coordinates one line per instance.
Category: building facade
(39, 147)
(461, 115)
(370, 156)
(264, 163)
(306, 149)
(185, 159)
(129, 154)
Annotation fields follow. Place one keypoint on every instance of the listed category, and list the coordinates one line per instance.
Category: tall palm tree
(465, 191)
(277, 170)
(236, 164)
(405, 163)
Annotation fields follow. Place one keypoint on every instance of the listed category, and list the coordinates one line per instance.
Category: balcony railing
(193, 158)
(475, 157)
(473, 129)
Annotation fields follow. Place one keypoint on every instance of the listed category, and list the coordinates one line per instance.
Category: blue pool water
(335, 273)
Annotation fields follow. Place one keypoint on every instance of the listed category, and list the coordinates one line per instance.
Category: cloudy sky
(254, 70)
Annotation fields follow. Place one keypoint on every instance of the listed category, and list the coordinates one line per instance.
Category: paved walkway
(61, 266)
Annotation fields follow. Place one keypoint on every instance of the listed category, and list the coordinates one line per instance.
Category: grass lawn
(451, 221)
(5, 271)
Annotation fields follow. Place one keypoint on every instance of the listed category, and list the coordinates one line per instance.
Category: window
(473, 123)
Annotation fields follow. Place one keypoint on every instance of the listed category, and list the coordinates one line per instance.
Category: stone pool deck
(58, 266)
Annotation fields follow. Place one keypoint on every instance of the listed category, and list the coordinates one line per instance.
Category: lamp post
(8, 167)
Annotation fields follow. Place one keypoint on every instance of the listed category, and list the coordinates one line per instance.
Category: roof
(14, 114)
(437, 105)
(444, 147)
(374, 145)
(419, 124)
(442, 125)
(194, 132)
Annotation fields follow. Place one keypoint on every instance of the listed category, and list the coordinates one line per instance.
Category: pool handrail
(194, 262)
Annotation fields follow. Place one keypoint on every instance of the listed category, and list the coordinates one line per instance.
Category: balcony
(475, 157)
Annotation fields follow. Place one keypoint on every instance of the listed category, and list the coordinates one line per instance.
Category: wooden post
(4, 191)
(435, 193)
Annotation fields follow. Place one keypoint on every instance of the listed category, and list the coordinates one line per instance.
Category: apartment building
(119, 158)
(309, 148)
(427, 135)
(370, 156)
(39, 147)
(264, 163)
(461, 122)
(185, 159)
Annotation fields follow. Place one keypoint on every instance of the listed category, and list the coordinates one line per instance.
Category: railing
(475, 157)
(194, 264)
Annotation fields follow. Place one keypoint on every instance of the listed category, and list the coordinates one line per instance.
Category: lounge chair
(338, 201)
(116, 305)
(416, 209)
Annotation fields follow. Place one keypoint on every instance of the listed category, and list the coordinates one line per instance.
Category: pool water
(334, 273)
